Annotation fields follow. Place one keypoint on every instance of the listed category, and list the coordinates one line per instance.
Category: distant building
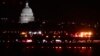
(26, 15)
(4, 20)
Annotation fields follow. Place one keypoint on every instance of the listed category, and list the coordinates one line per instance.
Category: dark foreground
(58, 50)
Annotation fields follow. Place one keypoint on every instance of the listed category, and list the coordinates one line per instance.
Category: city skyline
(49, 28)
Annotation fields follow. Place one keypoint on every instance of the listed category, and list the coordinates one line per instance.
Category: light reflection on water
(81, 51)
(60, 51)
(52, 51)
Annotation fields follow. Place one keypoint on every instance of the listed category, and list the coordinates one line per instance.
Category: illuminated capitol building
(31, 31)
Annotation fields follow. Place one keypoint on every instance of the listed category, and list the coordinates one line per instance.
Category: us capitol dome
(26, 15)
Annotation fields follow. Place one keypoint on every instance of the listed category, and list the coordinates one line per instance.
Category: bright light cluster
(58, 41)
(30, 33)
(24, 34)
(36, 32)
(29, 40)
(84, 34)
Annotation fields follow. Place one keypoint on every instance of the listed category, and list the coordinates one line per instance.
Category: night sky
(52, 10)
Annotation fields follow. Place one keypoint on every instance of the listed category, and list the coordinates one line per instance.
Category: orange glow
(25, 36)
(84, 34)
(23, 33)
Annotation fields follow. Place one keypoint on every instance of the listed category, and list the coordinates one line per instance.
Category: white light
(39, 32)
(58, 41)
(47, 36)
(56, 47)
(43, 22)
(26, 15)
(44, 41)
(8, 41)
(28, 40)
(30, 32)
(60, 47)
(51, 41)
(34, 32)
(66, 41)
(16, 40)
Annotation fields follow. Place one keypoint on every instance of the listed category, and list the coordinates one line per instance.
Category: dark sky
(52, 10)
